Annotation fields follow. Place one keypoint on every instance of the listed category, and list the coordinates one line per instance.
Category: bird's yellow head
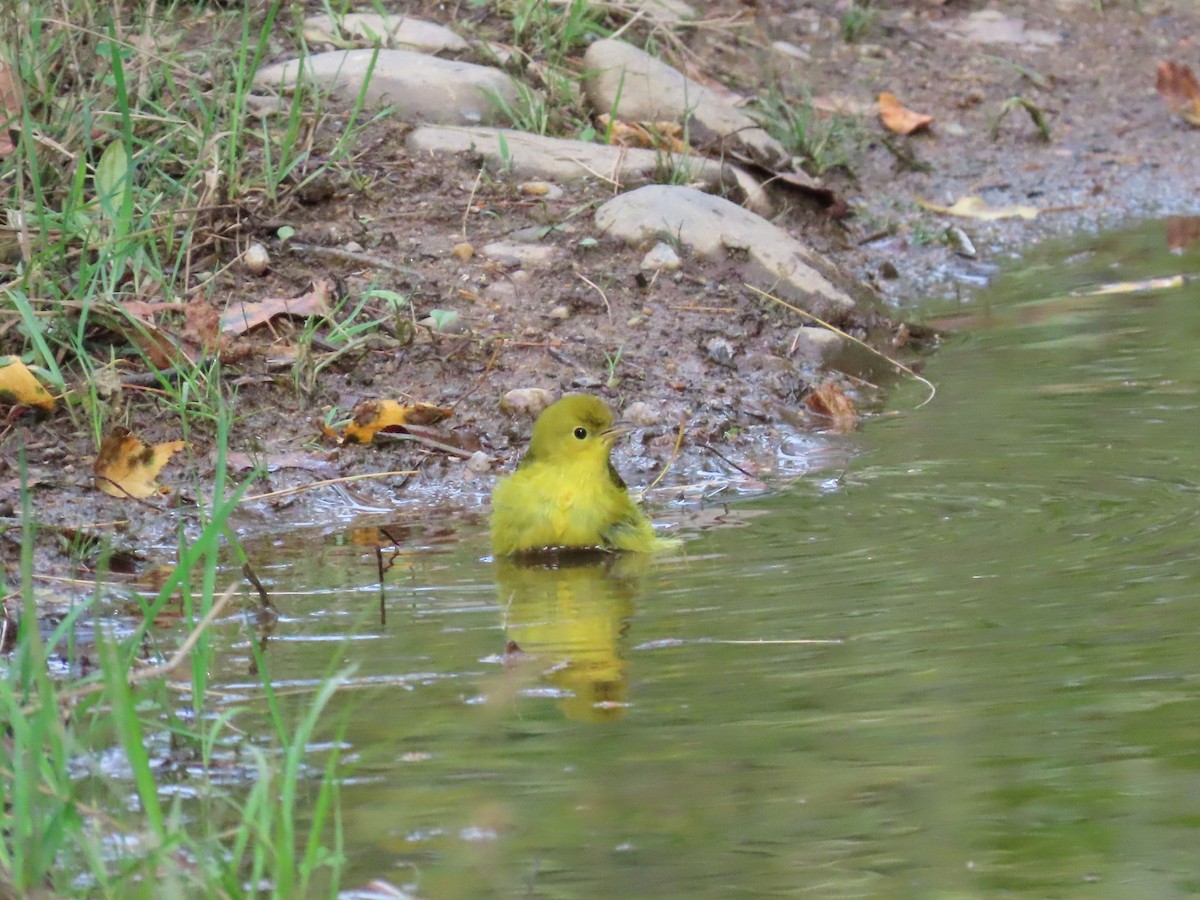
(574, 428)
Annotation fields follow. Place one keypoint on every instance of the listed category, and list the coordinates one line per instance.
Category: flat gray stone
(529, 256)
(370, 29)
(422, 88)
(557, 159)
(630, 84)
(716, 228)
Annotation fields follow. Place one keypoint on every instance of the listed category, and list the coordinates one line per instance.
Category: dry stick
(471, 200)
(316, 484)
(162, 668)
(899, 365)
(426, 442)
(670, 459)
(363, 259)
(596, 287)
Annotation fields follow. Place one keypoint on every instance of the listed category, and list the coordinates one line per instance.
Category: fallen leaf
(830, 401)
(374, 416)
(241, 317)
(898, 118)
(1177, 84)
(1182, 231)
(1166, 283)
(18, 387)
(10, 108)
(666, 136)
(127, 466)
(975, 208)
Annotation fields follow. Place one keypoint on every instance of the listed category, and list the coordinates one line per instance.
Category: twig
(363, 259)
(850, 337)
(162, 668)
(670, 459)
(596, 287)
(283, 492)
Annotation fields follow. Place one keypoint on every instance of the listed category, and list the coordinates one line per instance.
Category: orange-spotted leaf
(1177, 84)
(830, 402)
(898, 118)
(127, 466)
(374, 416)
(241, 317)
(18, 387)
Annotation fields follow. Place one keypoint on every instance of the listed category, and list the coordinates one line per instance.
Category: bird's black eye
(581, 433)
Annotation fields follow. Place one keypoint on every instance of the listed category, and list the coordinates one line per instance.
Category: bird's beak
(616, 431)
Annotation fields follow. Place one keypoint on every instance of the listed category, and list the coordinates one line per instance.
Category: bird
(565, 493)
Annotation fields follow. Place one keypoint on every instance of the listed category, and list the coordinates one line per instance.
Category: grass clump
(818, 142)
(120, 781)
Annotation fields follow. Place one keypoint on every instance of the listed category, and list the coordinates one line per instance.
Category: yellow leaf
(975, 208)
(18, 387)
(899, 118)
(127, 466)
(373, 416)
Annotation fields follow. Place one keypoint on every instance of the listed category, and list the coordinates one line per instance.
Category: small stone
(559, 312)
(526, 401)
(353, 247)
(641, 415)
(256, 259)
(634, 321)
(479, 462)
(887, 269)
(720, 351)
(662, 256)
(463, 251)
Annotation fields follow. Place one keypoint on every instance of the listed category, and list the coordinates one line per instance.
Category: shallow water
(970, 664)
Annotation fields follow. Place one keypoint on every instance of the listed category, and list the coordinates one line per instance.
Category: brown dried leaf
(898, 118)
(241, 317)
(374, 416)
(127, 466)
(1177, 84)
(18, 387)
(1182, 231)
(828, 400)
(10, 108)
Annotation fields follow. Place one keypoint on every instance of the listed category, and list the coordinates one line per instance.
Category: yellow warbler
(566, 492)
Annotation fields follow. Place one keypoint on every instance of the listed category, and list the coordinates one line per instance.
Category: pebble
(720, 351)
(662, 256)
(256, 259)
(463, 251)
(479, 462)
(526, 401)
(641, 414)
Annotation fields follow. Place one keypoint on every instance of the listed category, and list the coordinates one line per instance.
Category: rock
(641, 415)
(661, 256)
(720, 351)
(560, 313)
(533, 156)
(713, 227)
(526, 401)
(462, 251)
(256, 259)
(531, 256)
(630, 84)
(422, 88)
(369, 29)
(479, 462)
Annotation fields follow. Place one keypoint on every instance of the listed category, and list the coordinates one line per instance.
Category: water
(1001, 694)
